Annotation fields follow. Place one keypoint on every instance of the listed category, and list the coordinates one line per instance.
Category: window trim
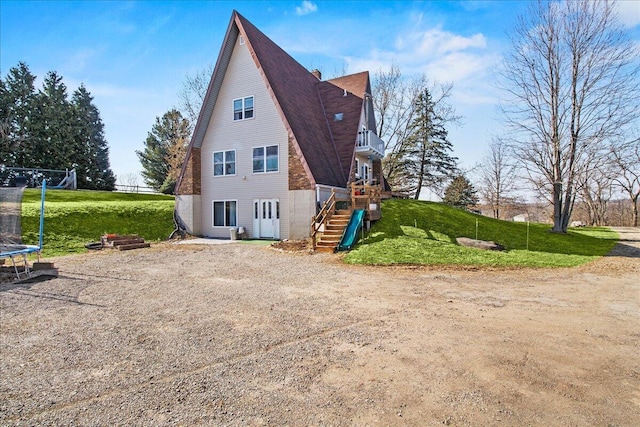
(264, 159)
(213, 213)
(244, 108)
(224, 163)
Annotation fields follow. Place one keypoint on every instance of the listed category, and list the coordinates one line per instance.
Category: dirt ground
(246, 335)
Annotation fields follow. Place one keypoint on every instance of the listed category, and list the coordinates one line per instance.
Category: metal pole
(44, 191)
(527, 235)
(476, 228)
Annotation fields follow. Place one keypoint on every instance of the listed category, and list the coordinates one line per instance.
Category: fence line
(134, 189)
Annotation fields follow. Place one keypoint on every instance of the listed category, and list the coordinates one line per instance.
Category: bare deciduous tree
(571, 84)
(394, 105)
(497, 175)
(595, 187)
(194, 89)
(129, 180)
(626, 158)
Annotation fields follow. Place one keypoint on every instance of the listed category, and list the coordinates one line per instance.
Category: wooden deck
(328, 225)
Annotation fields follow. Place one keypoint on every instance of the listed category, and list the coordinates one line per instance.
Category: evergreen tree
(91, 159)
(460, 193)
(427, 159)
(45, 130)
(164, 151)
(51, 144)
(17, 103)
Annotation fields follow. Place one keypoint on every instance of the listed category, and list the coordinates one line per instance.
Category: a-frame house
(272, 141)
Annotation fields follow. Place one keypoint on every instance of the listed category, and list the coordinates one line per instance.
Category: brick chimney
(317, 73)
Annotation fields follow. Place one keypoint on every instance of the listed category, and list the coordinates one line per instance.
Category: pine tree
(91, 151)
(164, 151)
(50, 145)
(427, 158)
(460, 193)
(17, 103)
(45, 130)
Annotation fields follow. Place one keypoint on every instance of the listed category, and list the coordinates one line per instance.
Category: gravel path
(245, 335)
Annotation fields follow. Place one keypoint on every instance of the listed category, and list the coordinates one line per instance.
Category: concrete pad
(206, 241)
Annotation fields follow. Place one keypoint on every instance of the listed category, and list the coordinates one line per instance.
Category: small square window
(265, 159)
(243, 108)
(224, 163)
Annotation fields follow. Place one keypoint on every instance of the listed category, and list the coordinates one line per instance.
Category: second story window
(224, 163)
(243, 108)
(265, 159)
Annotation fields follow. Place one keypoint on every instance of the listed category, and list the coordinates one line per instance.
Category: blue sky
(133, 55)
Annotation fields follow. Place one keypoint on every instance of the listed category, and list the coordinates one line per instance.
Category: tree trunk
(557, 208)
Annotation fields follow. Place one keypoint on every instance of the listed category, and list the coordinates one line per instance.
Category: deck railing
(319, 221)
(369, 141)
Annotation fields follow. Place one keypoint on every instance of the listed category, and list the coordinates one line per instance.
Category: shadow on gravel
(624, 250)
(629, 243)
(54, 296)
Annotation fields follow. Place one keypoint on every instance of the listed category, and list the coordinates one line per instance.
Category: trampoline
(11, 245)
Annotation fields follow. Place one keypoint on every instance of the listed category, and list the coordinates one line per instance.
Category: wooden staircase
(330, 238)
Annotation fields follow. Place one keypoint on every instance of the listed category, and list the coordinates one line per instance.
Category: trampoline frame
(23, 250)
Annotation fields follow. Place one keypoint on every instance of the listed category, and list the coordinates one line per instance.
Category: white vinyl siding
(264, 129)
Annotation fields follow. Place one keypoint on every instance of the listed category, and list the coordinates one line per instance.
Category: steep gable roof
(307, 106)
(357, 84)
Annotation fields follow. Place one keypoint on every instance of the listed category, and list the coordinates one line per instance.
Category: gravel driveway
(245, 335)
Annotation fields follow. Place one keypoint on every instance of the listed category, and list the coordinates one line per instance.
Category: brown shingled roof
(357, 84)
(301, 97)
(343, 131)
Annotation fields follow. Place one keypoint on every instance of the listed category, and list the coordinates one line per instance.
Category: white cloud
(465, 61)
(629, 11)
(306, 7)
(436, 41)
(458, 67)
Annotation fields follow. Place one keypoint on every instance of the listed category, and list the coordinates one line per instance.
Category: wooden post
(353, 195)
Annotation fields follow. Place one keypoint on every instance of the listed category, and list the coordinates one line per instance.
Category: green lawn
(424, 233)
(410, 232)
(74, 218)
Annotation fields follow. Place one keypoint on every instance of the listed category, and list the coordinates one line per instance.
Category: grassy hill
(410, 232)
(73, 218)
(417, 232)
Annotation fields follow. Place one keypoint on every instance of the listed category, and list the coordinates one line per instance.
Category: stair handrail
(322, 218)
